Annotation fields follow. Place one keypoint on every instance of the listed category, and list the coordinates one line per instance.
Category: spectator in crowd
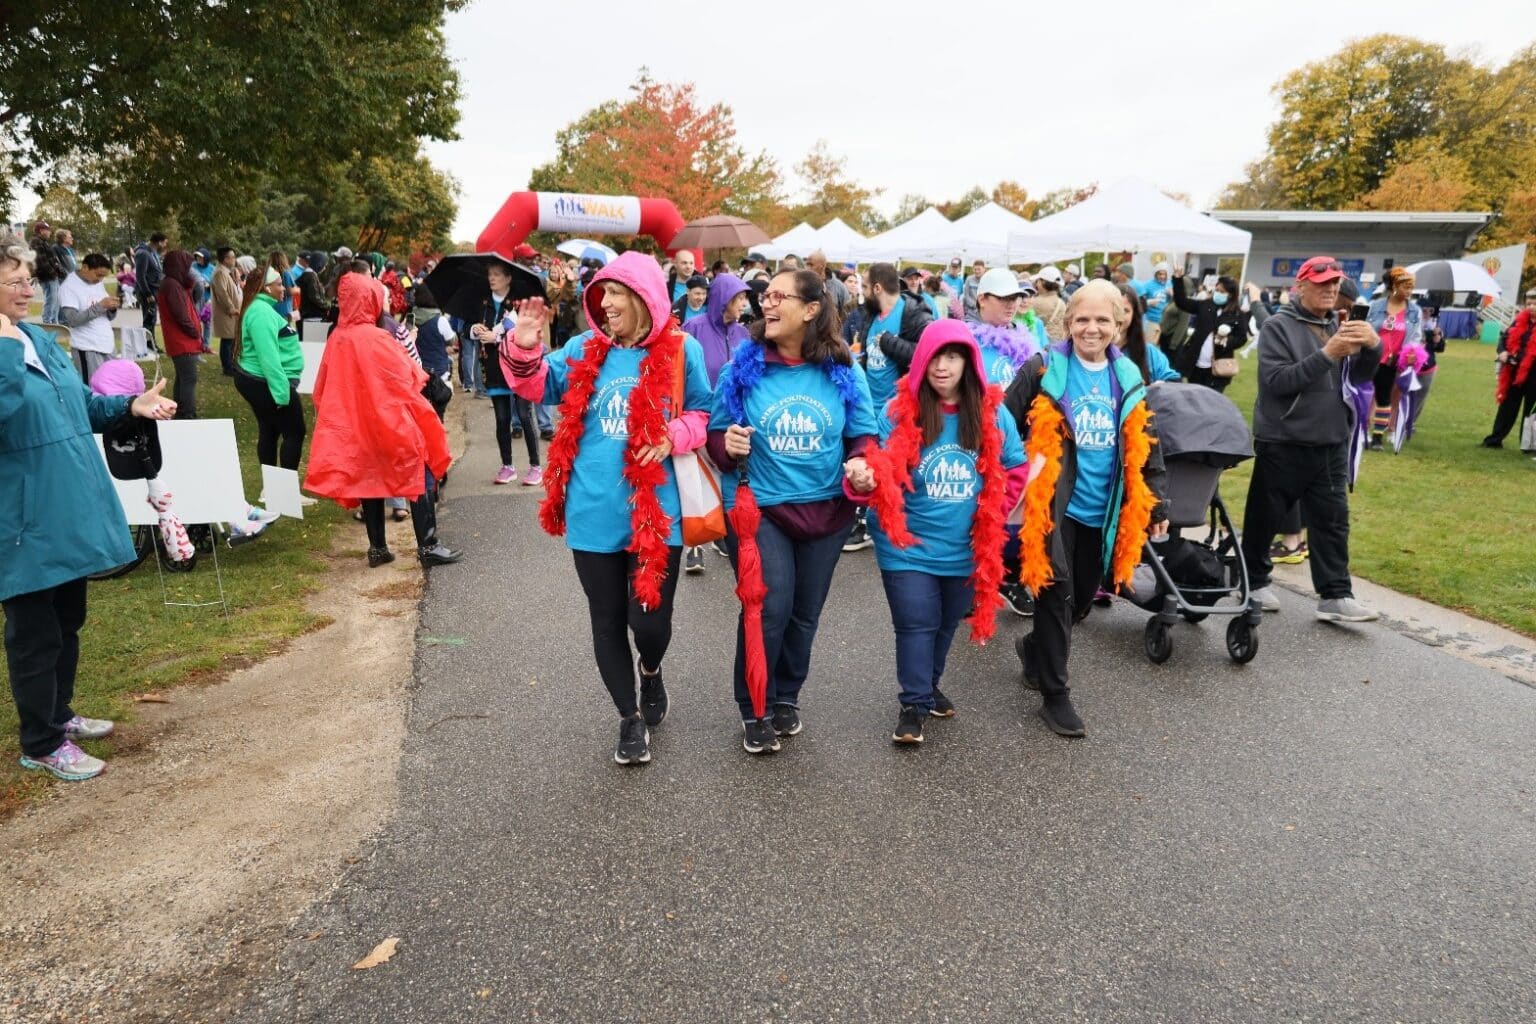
(1515, 390)
(202, 292)
(1125, 273)
(1302, 425)
(312, 304)
(1099, 273)
(683, 267)
(148, 271)
(47, 268)
(87, 310)
(693, 300)
(1176, 324)
(1048, 304)
(65, 524)
(1220, 329)
(936, 296)
(969, 309)
(954, 277)
(268, 364)
(912, 280)
(790, 262)
(226, 307)
(182, 329)
(1072, 278)
(64, 249)
(1155, 294)
(817, 261)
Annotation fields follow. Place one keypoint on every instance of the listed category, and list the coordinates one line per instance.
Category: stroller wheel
(1193, 616)
(1242, 641)
(1157, 641)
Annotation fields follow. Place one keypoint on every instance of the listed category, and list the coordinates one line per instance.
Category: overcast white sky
(928, 97)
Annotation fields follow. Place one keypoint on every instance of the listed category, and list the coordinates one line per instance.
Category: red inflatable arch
(576, 213)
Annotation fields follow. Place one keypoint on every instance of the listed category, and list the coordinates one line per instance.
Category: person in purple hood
(719, 331)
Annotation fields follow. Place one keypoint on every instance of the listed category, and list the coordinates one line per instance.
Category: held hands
(649, 453)
(738, 441)
(860, 477)
(151, 406)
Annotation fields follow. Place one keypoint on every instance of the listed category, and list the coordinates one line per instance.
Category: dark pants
(151, 315)
(227, 356)
(423, 521)
(798, 574)
(1063, 604)
(186, 386)
(925, 610)
(1517, 405)
(616, 613)
(1317, 477)
(273, 421)
(1203, 376)
(503, 406)
(42, 650)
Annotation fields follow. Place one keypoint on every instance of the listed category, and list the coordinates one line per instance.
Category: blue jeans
(798, 574)
(469, 367)
(925, 610)
(50, 302)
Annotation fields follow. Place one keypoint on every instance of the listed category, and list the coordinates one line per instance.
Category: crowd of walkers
(988, 434)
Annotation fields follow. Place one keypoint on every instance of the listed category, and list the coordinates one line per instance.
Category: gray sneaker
(1266, 597)
(1345, 609)
(79, 728)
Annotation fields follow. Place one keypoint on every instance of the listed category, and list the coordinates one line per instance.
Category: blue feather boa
(746, 370)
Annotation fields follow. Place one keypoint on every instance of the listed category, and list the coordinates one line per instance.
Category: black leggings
(615, 612)
(423, 520)
(502, 404)
(274, 421)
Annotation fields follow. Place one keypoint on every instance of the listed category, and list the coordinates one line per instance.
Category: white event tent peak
(837, 240)
(1133, 215)
(799, 240)
(906, 238)
(986, 234)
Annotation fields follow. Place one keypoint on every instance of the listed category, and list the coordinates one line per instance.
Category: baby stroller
(1201, 434)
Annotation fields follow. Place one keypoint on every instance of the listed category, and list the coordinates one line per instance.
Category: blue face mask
(1220, 298)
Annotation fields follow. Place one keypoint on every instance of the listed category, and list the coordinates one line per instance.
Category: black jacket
(897, 347)
(46, 264)
(1206, 317)
(312, 304)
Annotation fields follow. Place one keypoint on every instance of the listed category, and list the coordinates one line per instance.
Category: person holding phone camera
(1302, 425)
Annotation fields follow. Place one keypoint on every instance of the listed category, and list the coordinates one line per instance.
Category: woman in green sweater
(268, 363)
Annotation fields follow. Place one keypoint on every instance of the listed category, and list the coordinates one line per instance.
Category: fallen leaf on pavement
(151, 698)
(484, 993)
(382, 952)
(1290, 828)
(312, 936)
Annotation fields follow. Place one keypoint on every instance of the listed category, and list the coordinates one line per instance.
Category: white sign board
(579, 214)
(201, 471)
(314, 351)
(281, 490)
(1504, 266)
(314, 330)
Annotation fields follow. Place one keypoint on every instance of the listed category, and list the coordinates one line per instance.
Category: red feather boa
(893, 463)
(649, 523)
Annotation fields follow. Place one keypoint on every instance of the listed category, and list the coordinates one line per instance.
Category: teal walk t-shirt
(882, 372)
(597, 499)
(942, 503)
(999, 366)
(800, 421)
(689, 312)
(1091, 401)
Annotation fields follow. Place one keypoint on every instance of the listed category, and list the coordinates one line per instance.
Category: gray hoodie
(1301, 398)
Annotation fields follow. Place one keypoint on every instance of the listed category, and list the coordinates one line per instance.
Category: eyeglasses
(24, 284)
(774, 298)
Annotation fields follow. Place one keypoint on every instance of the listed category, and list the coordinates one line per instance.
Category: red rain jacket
(375, 434)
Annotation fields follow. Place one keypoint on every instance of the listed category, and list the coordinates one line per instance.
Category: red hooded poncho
(374, 432)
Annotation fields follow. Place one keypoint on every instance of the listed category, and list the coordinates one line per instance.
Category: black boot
(379, 556)
(1025, 649)
(429, 549)
(1062, 717)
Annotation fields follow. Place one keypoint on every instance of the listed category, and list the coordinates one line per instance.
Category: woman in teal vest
(60, 520)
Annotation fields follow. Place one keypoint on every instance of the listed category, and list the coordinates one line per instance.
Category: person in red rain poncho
(375, 434)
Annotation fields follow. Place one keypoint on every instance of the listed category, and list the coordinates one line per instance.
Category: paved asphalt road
(1340, 831)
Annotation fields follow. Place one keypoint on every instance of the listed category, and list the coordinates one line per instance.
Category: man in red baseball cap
(1303, 425)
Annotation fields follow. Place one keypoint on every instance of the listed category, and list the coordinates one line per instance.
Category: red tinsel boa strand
(580, 385)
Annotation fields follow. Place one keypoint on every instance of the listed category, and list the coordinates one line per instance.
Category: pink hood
(935, 336)
(640, 274)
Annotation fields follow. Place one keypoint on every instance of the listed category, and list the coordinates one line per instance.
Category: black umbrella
(458, 283)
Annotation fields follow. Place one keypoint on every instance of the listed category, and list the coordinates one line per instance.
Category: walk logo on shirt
(797, 426)
(874, 356)
(1000, 371)
(949, 474)
(1093, 422)
(612, 407)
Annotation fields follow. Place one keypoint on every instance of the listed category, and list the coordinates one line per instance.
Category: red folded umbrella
(751, 590)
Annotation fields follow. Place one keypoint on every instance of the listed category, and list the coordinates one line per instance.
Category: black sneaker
(1375, 443)
(718, 547)
(757, 736)
(438, 553)
(786, 720)
(379, 556)
(1018, 599)
(693, 561)
(546, 435)
(1025, 649)
(634, 742)
(1062, 718)
(909, 727)
(943, 707)
(517, 432)
(858, 540)
(653, 696)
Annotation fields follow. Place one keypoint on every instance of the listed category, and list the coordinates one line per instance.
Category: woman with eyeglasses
(790, 408)
(60, 520)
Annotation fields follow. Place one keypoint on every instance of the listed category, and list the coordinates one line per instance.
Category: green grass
(132, 643)
(1446, 520)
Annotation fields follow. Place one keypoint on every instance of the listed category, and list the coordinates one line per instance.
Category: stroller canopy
(1198, 424)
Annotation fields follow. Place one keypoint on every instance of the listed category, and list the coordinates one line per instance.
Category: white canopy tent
(1133, 215)
(984, 234)
(836, 240)
(799, 240)
(900, 241)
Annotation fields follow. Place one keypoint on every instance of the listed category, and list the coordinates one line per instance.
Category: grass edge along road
(1446, 521)
(132, 644)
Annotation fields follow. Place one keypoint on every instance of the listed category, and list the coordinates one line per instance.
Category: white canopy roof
(799, 240)
(1132, 215)
(905, 238)
(837, 240)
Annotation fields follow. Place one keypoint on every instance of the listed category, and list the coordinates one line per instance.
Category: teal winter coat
(59, 515)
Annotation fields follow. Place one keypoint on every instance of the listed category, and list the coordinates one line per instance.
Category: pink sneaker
(507, 475)
(533, 477)
(69, 763)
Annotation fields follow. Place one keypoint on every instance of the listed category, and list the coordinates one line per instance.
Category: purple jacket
(717, 338)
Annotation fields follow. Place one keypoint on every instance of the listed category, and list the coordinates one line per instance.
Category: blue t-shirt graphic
(1091, 401)
(942, 503)
(881, 371)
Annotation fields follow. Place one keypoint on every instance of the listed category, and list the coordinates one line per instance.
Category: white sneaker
(306, 501)
(1266, 597)
(69, 763)
(80, 728)
(261, 515)
(1345, 609)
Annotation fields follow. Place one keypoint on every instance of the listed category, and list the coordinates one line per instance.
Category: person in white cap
(1048, 304)
(1073, 275)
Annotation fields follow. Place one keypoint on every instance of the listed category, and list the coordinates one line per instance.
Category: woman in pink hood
(632, 391)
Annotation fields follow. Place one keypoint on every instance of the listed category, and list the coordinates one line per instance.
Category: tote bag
(698, 483)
